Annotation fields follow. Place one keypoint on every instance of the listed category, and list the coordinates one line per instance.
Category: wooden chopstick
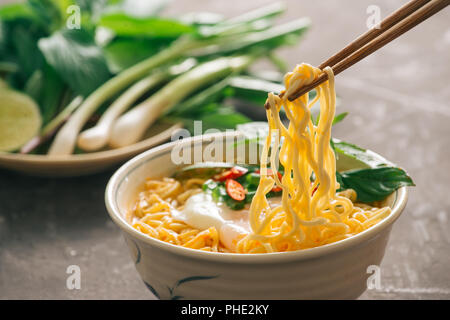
(400, 28)
(388, 22)
(396, 24)
(418, 16)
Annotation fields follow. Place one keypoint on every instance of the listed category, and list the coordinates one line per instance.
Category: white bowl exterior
(340, 273)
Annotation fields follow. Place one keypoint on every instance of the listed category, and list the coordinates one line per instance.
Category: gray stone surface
(398, 104)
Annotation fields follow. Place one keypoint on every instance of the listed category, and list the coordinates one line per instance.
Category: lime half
(20, 119)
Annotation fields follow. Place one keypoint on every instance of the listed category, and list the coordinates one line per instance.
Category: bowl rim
(401, 197)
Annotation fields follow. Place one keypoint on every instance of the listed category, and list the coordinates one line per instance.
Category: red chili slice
(235, 190)
(270, 173)
(277, 189)
(232, 173)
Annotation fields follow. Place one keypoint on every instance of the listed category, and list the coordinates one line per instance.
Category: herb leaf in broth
(374, 184)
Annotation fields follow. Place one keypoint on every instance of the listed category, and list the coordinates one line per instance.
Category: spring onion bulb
(64, 142)
(97, 137)
(131, 126)
(65, 139)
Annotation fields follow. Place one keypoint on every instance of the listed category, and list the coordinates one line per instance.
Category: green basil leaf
(220, 193)
(374, 184)
(340, 181)
(27, 53)
(124, 25)
(52, 88)
(252, 180)
(224, 118)
(285, 34)
(203, 102)
(339, 117)
(365, 157)
(213, 116)
(252, 89)
(76, 58)
(49, 12)
(234, 204)
(16, 11)
(249, 196)
(254, 20)
(122, 53)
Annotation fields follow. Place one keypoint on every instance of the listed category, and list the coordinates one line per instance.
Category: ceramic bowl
(335, 271)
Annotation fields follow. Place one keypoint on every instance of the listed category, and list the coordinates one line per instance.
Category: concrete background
(398, 104)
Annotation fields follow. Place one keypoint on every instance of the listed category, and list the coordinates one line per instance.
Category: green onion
(64, 141)
(130, 127)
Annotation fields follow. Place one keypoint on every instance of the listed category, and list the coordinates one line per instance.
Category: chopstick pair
(400, 21)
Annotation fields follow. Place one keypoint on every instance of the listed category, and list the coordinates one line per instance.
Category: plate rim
(93, 156)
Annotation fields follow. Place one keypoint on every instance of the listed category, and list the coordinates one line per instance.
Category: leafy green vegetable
(249, 181)
(234, 204)
(50, 94)
(124, 25)
(252, 89)
(26, 50)
(374, 184)
(212, 116)
(124, 52)
(255, 20)
(223, 118)
(34, 85)
(53, 64)
(209, 185)
(366, 157)
(378, 179)
(76, 58)
(284, 34)
(252, 179)
(16, 11)
(206, 107)
(339, 117)
(200, 103)
(219, 194)
(50, 13)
